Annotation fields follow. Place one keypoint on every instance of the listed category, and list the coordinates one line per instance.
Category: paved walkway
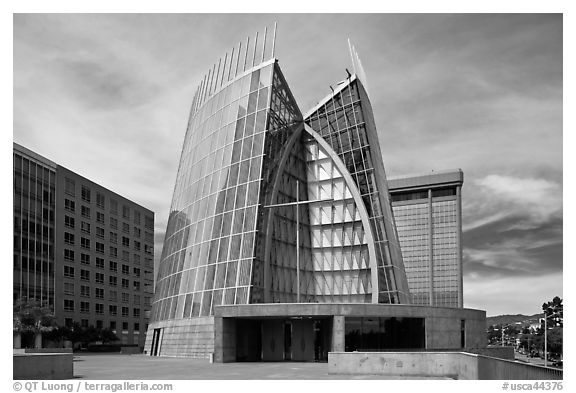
(142, 367)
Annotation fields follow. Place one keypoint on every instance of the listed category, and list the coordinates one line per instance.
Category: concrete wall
(412, 364)
(43, 366)
(193, 337)
(456, 365)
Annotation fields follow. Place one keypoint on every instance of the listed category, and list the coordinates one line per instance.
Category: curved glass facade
(209, 243)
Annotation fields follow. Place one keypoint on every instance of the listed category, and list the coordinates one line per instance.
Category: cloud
(532, 201)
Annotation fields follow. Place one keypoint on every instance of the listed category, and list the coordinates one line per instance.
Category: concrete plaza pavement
(142, 367)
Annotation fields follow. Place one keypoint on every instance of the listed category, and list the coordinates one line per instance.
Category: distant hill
(508, 319)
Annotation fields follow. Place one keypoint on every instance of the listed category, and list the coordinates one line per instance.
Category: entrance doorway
(300, 339)
(155, 342)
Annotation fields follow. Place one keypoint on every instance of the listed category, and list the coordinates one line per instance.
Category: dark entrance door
(155, 342)
(287, 340)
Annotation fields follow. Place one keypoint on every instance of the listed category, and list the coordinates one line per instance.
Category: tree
(29, 315)
(554, 310)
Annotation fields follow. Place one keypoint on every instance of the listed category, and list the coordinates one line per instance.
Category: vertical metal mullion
(430, 249)
(254, 52)
(246, 54)
(264, 43)
(223, 69)
(230, 65)
(238, 58)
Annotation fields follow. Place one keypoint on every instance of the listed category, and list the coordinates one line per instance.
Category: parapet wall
(455, 365)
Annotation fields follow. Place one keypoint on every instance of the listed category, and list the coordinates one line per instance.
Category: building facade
(272, 207)
(428, 213)
(81, 249)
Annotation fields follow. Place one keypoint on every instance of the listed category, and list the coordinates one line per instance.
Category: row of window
(85, 226)
(70, 272)
(86, 291)
(100, 324)
(86, 195)
(69, 305)
(113, 265)
(69, 238)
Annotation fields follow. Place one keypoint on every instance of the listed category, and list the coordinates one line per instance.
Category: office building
(281, 242)
(81, 249)
(428, 213)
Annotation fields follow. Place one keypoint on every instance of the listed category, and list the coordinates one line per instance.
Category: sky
(108, 96)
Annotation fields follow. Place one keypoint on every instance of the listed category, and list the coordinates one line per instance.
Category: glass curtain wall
(34, 207)
(209, 244)
(342, 120)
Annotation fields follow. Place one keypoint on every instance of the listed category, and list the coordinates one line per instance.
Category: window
(99, 293)
(84, 291)
(68, 271)
(68, 288)
(99, 308)
(69, 255)
(85, 307)
(149, 237)
(125, 269)
(70, 187)
(137, 300)
(136, 217)
(84, 322)
(113, 223)
(136, 313)
(137, 245)
(113, 266)
(99, 261)
(149, 222)
(100, 217)
(85, 194)
(136, 285)
(148, 249)
(69, 221)
(85, 259)
(136, 259)
(84, 275)
(125, 227)
(85, 211)
(125, 311)
(113, 310)
(125, 241)
(69, 205)
(85, 243)
(146, 301)
(137, 272)
(126, 256)
(125, 326)
(125, 212)
(136, 327)
(112, 325)
(68, 305)
(113, 237)
(100, 200)
(99, 278)
(100, 247)
(113, 252)
(99, 323)
(137, 232)
(125, 283)
(85, 227)
(114, 207)
(100, 232)
(113, 296)
(125, 297)
(113, 280)
(69, 238)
